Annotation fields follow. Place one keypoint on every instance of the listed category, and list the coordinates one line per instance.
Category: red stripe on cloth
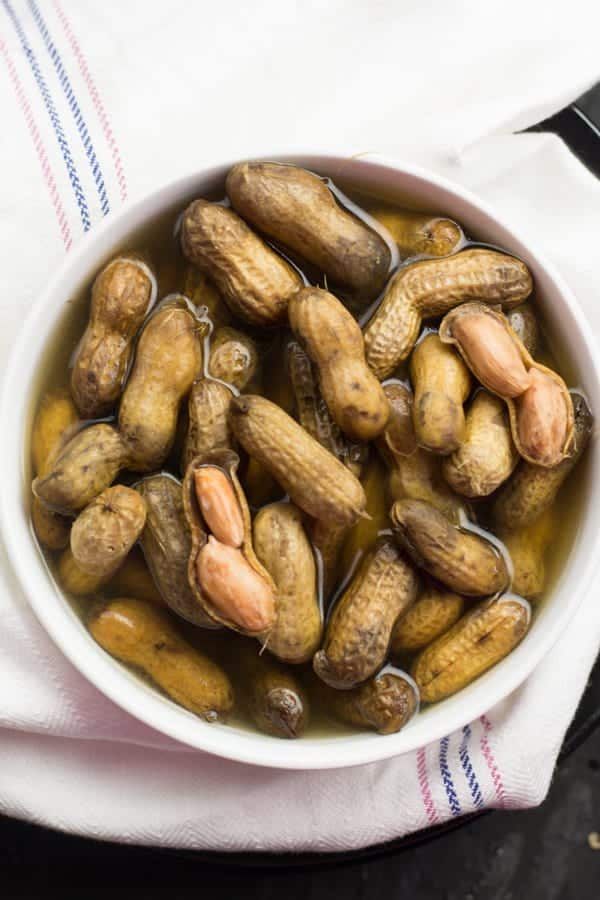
(96, 100)
(491, 762)
(39, 147)
(430, 810)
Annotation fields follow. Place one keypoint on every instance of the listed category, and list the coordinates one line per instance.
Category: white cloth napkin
(105, 101)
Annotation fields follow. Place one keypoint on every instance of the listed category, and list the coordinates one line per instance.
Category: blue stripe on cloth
(54, 117)
(470, 775)
(73, 106)
(447, 778)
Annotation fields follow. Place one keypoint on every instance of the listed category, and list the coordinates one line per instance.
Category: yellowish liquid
(159, 245)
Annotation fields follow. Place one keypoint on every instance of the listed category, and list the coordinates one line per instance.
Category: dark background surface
(542, 854)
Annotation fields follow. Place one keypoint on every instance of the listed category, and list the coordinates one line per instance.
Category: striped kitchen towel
(101, 101)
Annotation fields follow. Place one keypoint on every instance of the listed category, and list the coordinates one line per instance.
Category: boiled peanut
(363, 534)
(55, 421)
(73, 579)
(122, 295)
(297, 209)
(487, 456)
(492, 352)
(314, 479)
(275, 699)
(523, 321)
(419, 234)
(442, 384)
(527, 548)
(430, 288)
(208, 429)
(133, 579)
(87, 464)
(414, 473)
(137, 633)
(255, 282)
(384, 704)
(166, 544)
(51, 529)
(200, 291)
(106, 530)
(462, 560)
(168, 358)
(359, 630)
(229, 582)
(313, 414)
(533, 489)
(282, 546)
(478, 641)
(233, 358)
(219, 505)
(56, 418)
(539, 404)
(235, 589)
(543, 420)
(433, 613)
(333, 340)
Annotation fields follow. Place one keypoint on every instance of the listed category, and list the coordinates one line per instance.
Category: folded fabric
(104, 102)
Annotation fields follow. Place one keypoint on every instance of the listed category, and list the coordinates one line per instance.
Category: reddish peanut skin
(492, 353)
(235, 588)
(542, 420)
(219, 505)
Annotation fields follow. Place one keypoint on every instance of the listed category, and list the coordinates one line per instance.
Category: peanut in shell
(295, 208)
(282, 546)
(441, 383)
(200, 291)
(208, 427)
(527, 548)
(139, 634)
(539, 404)
(384, 704)
(487, 455)
(462, 560)
(87, 464)
(255, 282)
(359, 629)
(314, 479)
(239, 569)
(479, 640)
(166, 544)
(333, 340)
(274, 697)
(419, 234)
(55, 420)
(233, 357)
(122, 296)
(423, 290)
(106, 530)
(313, 413)
(532, 489)
(168, 359)
(414, 473)
(434, 612)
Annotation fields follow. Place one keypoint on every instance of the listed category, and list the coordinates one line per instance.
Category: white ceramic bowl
(561, 313)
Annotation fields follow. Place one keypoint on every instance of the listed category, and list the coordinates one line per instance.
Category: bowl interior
(569, 334)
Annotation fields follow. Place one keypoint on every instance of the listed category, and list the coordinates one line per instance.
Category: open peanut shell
(228, 461)
(448, 337)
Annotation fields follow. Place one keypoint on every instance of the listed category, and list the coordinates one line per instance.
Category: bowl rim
(112, 678)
